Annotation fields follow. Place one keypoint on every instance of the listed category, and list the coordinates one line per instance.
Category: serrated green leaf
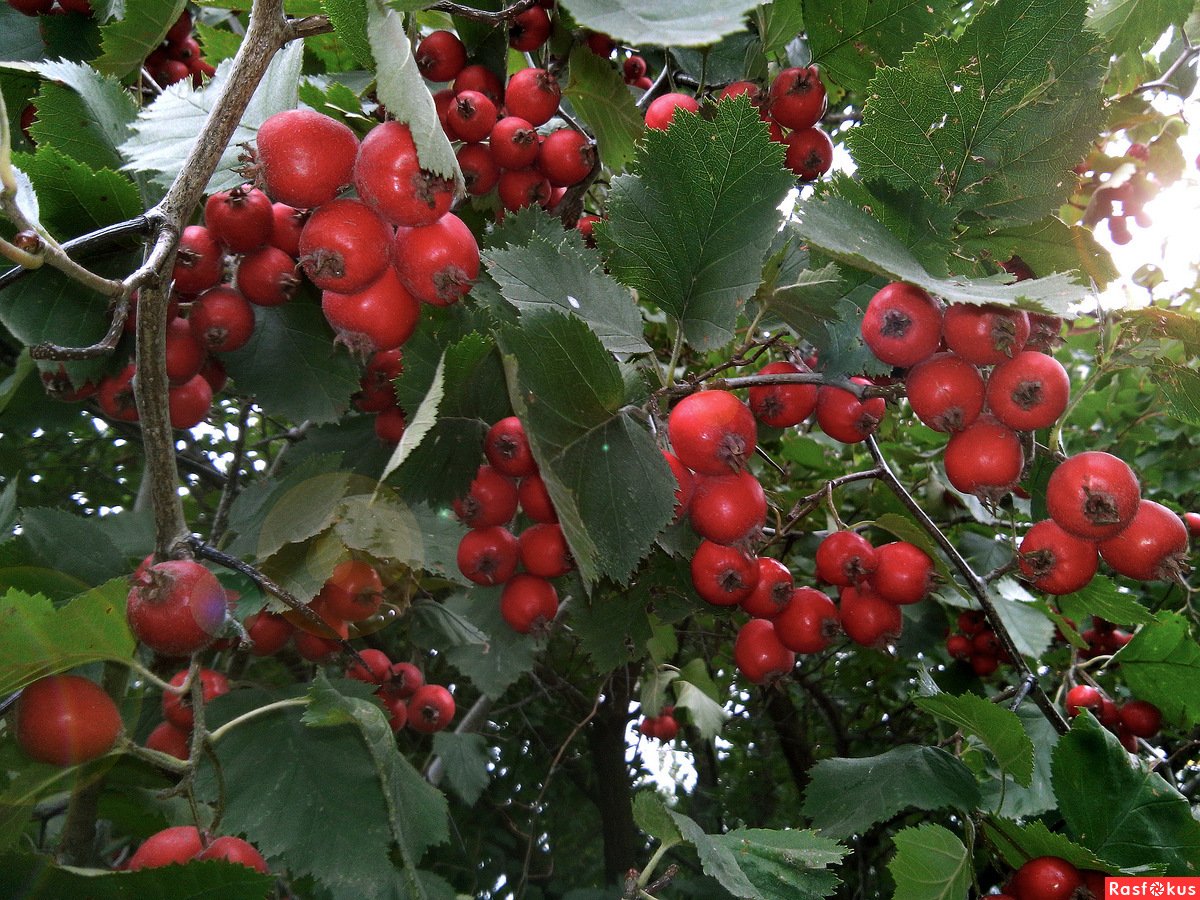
(931, 863)
(1181, 387)
(852, 41)
(785, 864)
(93, 560)
(466, 760)
(349, 21)
(655, 686)
(606, 476)
(783, 20)
(40, 639)
(566, 277)
(1049, 245)
(1009, 799)
(38, 878)
(808, 301)
(496, 665)
(127, 42)
(993, 120)
(387, 527)
(1031, 631)
(19, 37)
(217, 44)
(1138, 819)
(422, 421)
(660, 22)
(600, 97)
(1104, 599)
(592, 622)
(851, 236)
(1019, 842)
(255, 503)
(74, 199)
(849, 795)
(653, 818)
(690, 229)
(998, 728)
(1136, 24)
(717, 859)
(706, 713)
(1161, 664)
(83, 113)
(304, 512)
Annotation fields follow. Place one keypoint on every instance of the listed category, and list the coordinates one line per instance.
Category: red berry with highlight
(712, 432)
(783, 405)
(1093, 495)
(305, 159)
(945, 392)
(528, 603)
(902, 324)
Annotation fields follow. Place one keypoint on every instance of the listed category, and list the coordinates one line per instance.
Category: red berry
(528, 603)
(375, 667)
(1056, 561)
(985, 459)
(1141, 719)
(633, 68)
(519, 188)
(984, 664)
(1152, 547)
(267, 276)
(773, 589)
(190, 402)
(438, 263)
(846, 418)
(490, 500)
(313, 647)
(240, 218)
(544, 551)
(959, 646)
(353, 591)
(221, 319)
(712, 432)
(381, 316)
(797, 97)
(532, 94)
(1083, 696)
(287, 225)
(1029, 391)
(566, 157)
(115, 395)
(868, 619)
(723, 575)
(479, 168)
(344, 246)
(389, 178)
(514, 143)
(441, 56)
(390, 425)
(65, 719)
(406, 679)
(1192, 521)
(479, 78)
(170, 739)
(529, 30)
(661, 111)
(430, 709)
(170, 846)
(1093, 495)
(177, 708)
(199, 261)
(902, 324)
(782, 405)
(809, 153)
(760, 655)
(176, 607)
(506, 447)
(903, 573)
(269, 631)
(535, 500)
(185, 356)
(235, 850)
(471, 116)
(305, 159)
(1046, 878)
(1045, 332)
(809, 622)
(985, 335)
(32, 7)
(728, 509)
(845, 558)
(945, 392)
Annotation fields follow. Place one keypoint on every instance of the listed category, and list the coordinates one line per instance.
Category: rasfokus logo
(1151, 887)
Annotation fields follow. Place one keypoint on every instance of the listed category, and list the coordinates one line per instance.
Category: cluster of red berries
(1120, 203)
(181, 844)
(1129, 721)
(490, 553)
(1103, 638)
(976, 644)
(52, 7)
(1052, 878)
(662, 727)
(407, 699)
(173, 734)
(178, 57)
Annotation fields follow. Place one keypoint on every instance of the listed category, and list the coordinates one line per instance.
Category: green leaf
(74, 199)
(849, 795)
(992, 120)
(661, 22)
(128, 41)
(784, 19)
(1162, 665)
(931, 863)
(706, 713)
(998, 728)
(592, 622)
(609, 482)
(1104, 599)
(1136, 24)
(785, 864)
(1010, 799)
(1031, 631)
(217, 44)
(387, 527)
(852, 41)
(1181, 387)
(689, 231)
(466, 760)
(716, 858)
(853, 237)
(41, 640)
(569, 278)
(1049, 245)
(19, 37)
(292, 364)
(422, 422)
(253, 508)
(349, 21)
(304, 512)
(93, 560)
(1138, 819)
(496, 665)
(1029, 840)
(653, 817)
(809, 301)
(38, 878)
(600, 97)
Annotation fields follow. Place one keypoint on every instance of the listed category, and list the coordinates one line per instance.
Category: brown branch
(507, 14)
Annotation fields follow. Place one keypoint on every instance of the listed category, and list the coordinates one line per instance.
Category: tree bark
(613, 793)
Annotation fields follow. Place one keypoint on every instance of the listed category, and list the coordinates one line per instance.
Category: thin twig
(481, 15)
(230, 491)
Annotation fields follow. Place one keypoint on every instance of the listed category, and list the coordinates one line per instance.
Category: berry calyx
(782, 405)
(1093, 495)
(902, 324)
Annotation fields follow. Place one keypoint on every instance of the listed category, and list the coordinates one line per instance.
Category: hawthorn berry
(797, 97)
(534, 499)
(390, 425)
(269, 631)
(727, 509)
(479, 78)
(723, 575)
(985, 458)
(177, 708)
(529, 30)
(845, 558)
(189, 402)
(782, 405)
(1056, 561)
(903, 573)
(199, 261)
(867, 618)
(344, 246)
(490, 500)
(266, 276)
(441, 55)
(985, 335)
(65, 720)
(661, 111)
(902, 324)
(846, 418)
(1093, 495)
(506, 447)
(1152, 547)
(235, 850)
(1141, 718)
(519, 188)
(221, 319)
(712, 432)
(303, 158)
(439, 262)
(566, 157)
(1029, 391)
(1046, 878)
(1083, 696)
(115, 395)
(528, 603)
(809, 153)
(380, 316)
(171, 846)
(544, 551)
(685, 483)
(479, 168)
(945, 392)
(375, 667)
(809, 622)
(532, 94)
(353, 591)
(389, 178)
(241, 218)
(773, 589)
(471, 116)
(176, 607)
(185, 356)
(166, 737)
(760, 655)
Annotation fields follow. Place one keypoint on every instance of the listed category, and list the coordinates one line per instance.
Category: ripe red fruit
(170, 846)
(809, 623)
(666, 728)
(235, 850)
(661, 111)
(353, 591)
(269, 631)
(377, 391)
(902, 324)
(1093, 495)
(945, 392)
(177, 708)
(959, 646)
(514, 143)
(240, 218)
(304, 159)
(377, 668)
(490, 500)
(685, 483)
(199, 261)
(783, 405)
(712, 432)
(1140, 718)
(985, 459)
(528, 603)
(845, 558)
(846, 418)
(390, 425)
(176, 607)
(221, 319)
(529, 30)
(267, 276)
(488, 555)
(1083, 696)
(471, 116)
(723, 575)
(760, 655)
(868, 619)
(519, 188)
(185, 356)
(285, 232)
(65, 719)
(479, 78)
(773, 589)
(1029, 391)
(903, 573)
(170, 739)
(1046, 878)
(437, 262)
(396, 708)
(985, 335)
(984, 664)
(1045, 332)
(344, 246)
(430, 709)
(566, 157)
(389, 178)
(633, 68)
(506, 447)
(190, 402)
(405, 680)
(441, 56)
(797, 97)
(31, 7)
(313, 647)
(809, 153)
(479, 168)
(115, 395)
(532, 94)
(1152, 547)
(381, 316)
(727, 509)
(535, 500)
(1055, 561)
(544, 551)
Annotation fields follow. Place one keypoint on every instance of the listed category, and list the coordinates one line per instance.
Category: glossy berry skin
(430, 709)
(519, 188)
(240, 218)
(199, 261)
(390, 425)
(490, 500)
(506, 447)
(405, 680)
(544, 551)
(479, 168)
(288, 222)
(185, 356)
(115, 395)
(727, 509)
(189, 402)
(661, 111)
(514, 143)
(479, 78)
(168, 738)
(221, 319)
(809, 623)
(773, 589)
(1093, 495)
(797, 97)
(471, 116)
(902, 324)
(176, 607)
(1082, 696)
(1046, 878)
(305, 159)
(170, 846)
(235, 850)
(269, 632)
(1029, 391)
(528, 603)
(377, 668)
(903, 573)
(344, 246)
(389, 178)
(723, 575)
(760, 655)
(685, 483)
(985, 335)
(488, 555)
(529, 30)
(712, 432)
(177, 708)
(985, 459)
(438, 263)
(868, 619)
(532, 94)
(945, 392)
(440, 56)
(1140, 718)
(1056, 561)
(958, 646)
(846, 418)
(65, 720)
(353, 591)
(566, 157)
(845, 558)
(267, 276)
(381, 316)
(1152, 547)
(782, 405)
(1192, 521)
(534, 499)
(809, 153)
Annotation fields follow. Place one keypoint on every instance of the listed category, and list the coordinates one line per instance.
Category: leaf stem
(216, 734)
